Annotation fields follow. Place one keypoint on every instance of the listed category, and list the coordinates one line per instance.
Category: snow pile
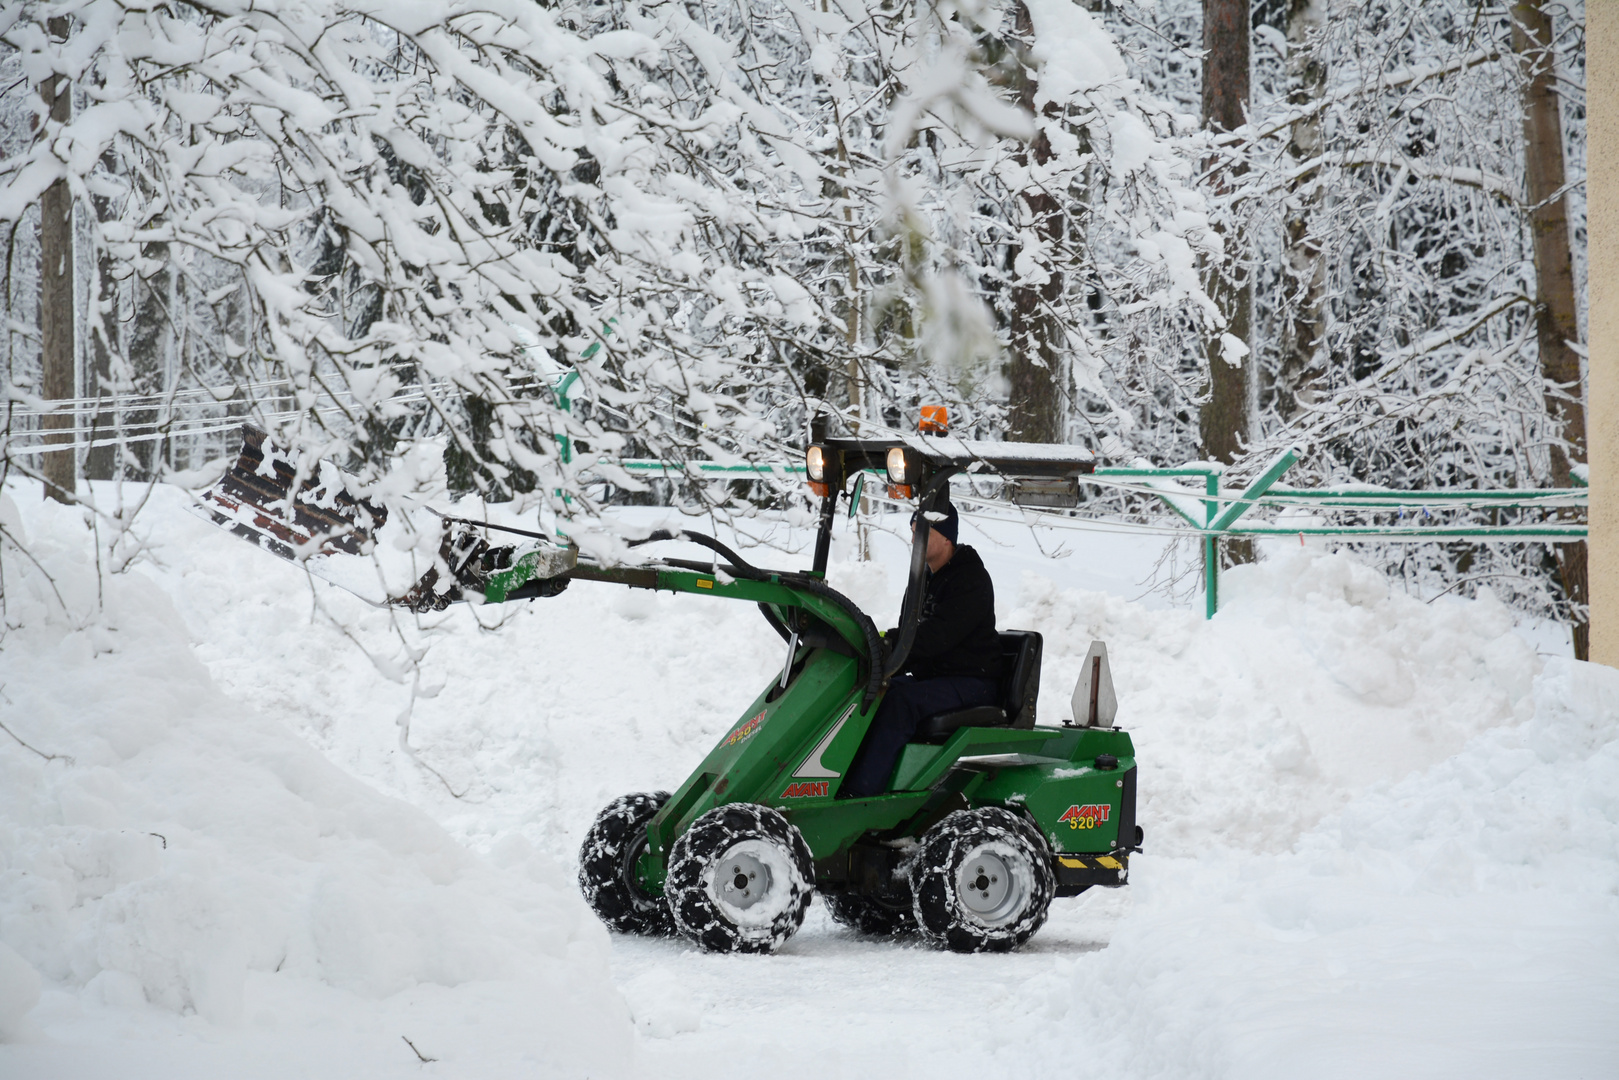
(167, 850)
(1464, 921)
(535, 715)
(1381, 834)
(1314, 680)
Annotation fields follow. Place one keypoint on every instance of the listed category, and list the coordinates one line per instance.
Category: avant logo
(1085, 817)
(810, 790)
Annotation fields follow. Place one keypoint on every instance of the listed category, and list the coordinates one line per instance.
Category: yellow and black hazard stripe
(1076, 873)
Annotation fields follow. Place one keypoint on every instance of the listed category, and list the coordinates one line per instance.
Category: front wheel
(983, 881)
(740, 880)
(607, 866)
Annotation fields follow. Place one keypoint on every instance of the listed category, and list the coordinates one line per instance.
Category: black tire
(607, 867)
(867, 916)
(982, 882)
(740, 880)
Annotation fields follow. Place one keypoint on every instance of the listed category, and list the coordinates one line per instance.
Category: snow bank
(1461, 922)
(168, 851)
(1314, 680)
(1382, 836)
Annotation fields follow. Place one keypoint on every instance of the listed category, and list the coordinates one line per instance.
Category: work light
(822, 469)
(898, 467)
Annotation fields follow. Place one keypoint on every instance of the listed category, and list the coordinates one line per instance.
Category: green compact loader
(988, 815)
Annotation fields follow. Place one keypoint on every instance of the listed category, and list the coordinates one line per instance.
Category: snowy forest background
(1172, 231)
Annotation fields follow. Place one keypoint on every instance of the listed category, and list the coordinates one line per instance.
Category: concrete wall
(1602, 192)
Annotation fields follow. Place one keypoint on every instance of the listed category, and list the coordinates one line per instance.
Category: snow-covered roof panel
(983, 450)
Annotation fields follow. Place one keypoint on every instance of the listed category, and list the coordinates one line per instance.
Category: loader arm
(782, 594)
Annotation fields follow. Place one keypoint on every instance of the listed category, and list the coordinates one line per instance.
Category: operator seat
(1020, 688)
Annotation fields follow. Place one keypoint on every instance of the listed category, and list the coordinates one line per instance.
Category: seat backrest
(1020, 675)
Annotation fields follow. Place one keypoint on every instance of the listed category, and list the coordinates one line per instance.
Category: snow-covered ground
(1382, 834)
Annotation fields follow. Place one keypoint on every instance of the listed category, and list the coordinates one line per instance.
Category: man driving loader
(954, 662)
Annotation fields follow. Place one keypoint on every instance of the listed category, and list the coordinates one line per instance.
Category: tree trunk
(1557, 326)
(1224, 420)
(151, 336)
(1035, 410)
(56, 298)
(1302, 363)
(102, 329)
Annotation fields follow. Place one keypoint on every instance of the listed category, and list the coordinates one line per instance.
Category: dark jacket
(956, 635)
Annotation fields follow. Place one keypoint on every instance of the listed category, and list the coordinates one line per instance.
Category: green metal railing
(1212, 513)
(1222, 512)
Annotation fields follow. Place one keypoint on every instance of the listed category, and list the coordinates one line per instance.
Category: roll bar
(930, 462)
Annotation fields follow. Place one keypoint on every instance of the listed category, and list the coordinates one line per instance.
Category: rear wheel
(983, 881)
(607, 867)
(863, 914)
(740, 880)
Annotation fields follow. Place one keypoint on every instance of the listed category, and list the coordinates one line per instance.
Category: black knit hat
(949, 526)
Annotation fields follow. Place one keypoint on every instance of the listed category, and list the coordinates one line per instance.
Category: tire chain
(604, 867)
(696, 913)
(936, 903)
(866, 916)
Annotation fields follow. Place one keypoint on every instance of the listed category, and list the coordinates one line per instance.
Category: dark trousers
(908, 702)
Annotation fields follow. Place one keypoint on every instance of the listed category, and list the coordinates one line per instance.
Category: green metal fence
(1213, 513)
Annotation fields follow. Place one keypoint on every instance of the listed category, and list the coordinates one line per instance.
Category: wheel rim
(992, 886)
(741, 878)
(639, 897)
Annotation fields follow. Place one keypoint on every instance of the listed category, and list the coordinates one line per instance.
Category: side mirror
(1095, 703)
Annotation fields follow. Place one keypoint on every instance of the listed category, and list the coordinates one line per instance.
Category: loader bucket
(256, 501)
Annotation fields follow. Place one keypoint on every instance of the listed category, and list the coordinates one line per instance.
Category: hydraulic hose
(775, 624)
(874, 642)
(739, 567)
(875, 674)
